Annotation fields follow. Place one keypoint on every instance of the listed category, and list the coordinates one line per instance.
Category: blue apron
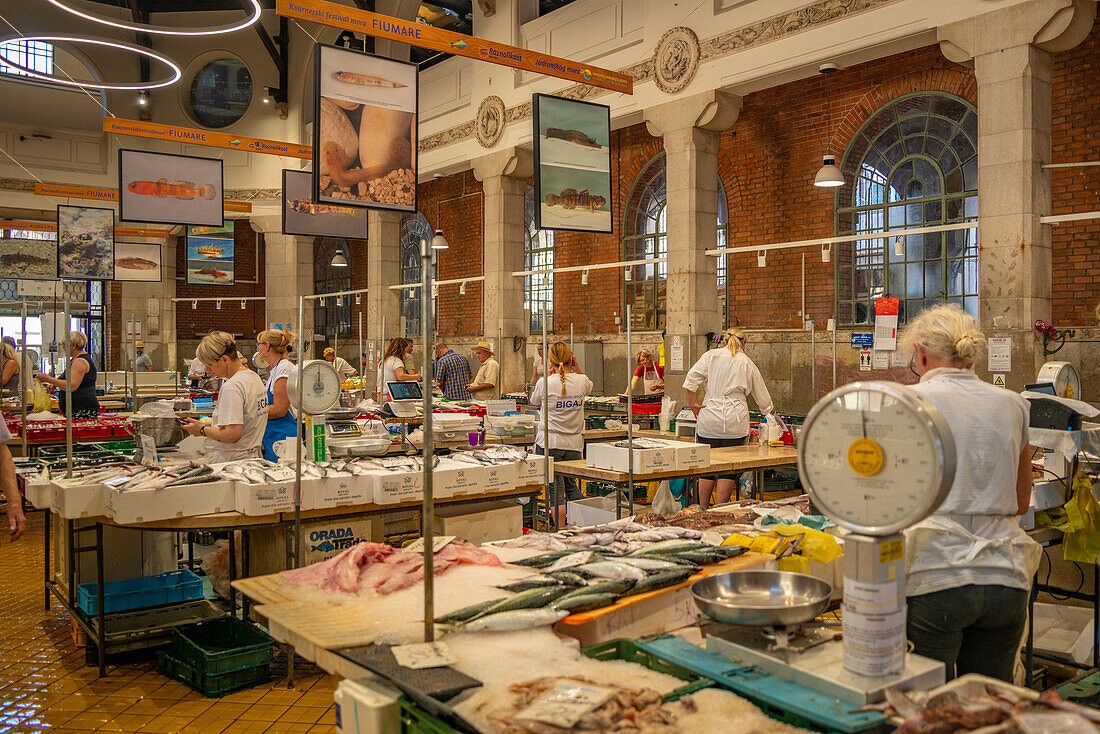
(277, 429)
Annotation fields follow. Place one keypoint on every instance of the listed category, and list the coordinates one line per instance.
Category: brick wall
(455, 204)
(192, 324)
(1076, 137)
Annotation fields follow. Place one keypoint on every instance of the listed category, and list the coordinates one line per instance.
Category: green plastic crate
(629, 651)
(213, 686)
(221, 646)
(415, 720)
(123, 445)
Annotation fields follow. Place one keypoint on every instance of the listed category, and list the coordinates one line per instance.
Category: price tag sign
(148, 450)
(424, 655)
(439, 542)
(565, 704)
(569, 561)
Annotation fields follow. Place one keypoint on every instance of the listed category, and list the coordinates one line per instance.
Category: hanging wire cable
(13, 160)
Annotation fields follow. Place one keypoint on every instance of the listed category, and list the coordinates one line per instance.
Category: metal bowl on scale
(163, 429)
(762, 598)
(341, 414)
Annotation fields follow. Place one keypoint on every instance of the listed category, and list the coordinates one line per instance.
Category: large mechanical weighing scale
(875, 458)
(344, 435)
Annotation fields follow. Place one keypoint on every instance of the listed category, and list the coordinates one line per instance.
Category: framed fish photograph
(572, 164)
(210, 255)
(28, 259)
(138, 262)
(302, 216)
(364, 131)
(165, 188)
(85, 243)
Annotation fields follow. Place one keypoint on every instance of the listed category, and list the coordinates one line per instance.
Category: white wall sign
(881, 360)
(1000, 354)
(865, 359)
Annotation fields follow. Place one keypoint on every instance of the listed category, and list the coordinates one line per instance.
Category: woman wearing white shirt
(970, 565)
(564, 391)
(240, 417)
(272, 346)
(393, 366)
(728, 377)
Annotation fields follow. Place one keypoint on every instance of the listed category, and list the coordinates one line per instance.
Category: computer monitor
(1043, 387)
(404, 397)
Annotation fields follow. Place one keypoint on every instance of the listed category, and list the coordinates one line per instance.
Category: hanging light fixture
(462, 288)
(253, 16)
(439, 242)
(899, 246)
(243, 304)
(194, 305)
(584, 277)
(829, 174)
(628, 274)
(761, 258)
(218, 304)
(143, 98)
(358, 298)
(121, 45)
(339, 261)
(826, 252)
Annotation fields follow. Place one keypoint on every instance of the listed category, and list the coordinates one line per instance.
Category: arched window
(645, 236)
(36, 55)
(414, 228)
(333, 317)
(721, 240)
(913, 164)
(538, 254)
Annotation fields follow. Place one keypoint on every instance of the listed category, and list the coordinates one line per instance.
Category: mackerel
(466, 613)
(661, 580)
(617, 586)
(520, 619)
(530, 599)
(584, 602)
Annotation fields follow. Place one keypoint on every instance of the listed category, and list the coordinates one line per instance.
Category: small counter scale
(875, 458)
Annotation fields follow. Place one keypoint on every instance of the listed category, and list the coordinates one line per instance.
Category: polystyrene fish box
(82, 500)
(451, 478)
(39, 492)
(690, 455)
(480, 522)
(614, 458)
(342, 490)
(367, 707)
(272, 497)
(532, 470)
(127, 506)
(393, 487)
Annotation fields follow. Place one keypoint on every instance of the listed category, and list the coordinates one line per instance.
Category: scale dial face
(320, 384)
(876, 457)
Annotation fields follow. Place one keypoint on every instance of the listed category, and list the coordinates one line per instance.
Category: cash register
(404, 397)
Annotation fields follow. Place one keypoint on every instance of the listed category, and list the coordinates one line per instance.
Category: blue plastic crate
(170, 587)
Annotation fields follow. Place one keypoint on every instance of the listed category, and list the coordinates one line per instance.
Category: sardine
(520, 619)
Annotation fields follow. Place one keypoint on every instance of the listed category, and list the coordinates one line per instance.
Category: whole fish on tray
(573, 199)
(135, 263)
(572, 136)
(162, 189)
(367, 80)
(305, 206)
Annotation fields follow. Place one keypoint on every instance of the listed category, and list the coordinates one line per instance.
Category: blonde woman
(9, 367)
(272, 347)
(970, 565)
(728, 376)
(84, 402)
(240, 417)
(562, 393)
(652, 375)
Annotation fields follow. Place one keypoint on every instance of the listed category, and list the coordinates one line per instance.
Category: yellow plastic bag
(1082, 541)
(41, 398)
(815, 545)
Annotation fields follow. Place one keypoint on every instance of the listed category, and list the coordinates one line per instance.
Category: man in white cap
(142, 362)
(486, 385)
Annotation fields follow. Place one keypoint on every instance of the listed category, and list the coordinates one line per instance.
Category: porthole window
(221, 93)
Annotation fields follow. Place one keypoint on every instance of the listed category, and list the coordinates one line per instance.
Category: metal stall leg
(46, 554)
(101, 616)
(232, 572)
(245, 602)
(1029, 648)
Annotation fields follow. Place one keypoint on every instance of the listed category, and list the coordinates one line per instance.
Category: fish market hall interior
(381, 366)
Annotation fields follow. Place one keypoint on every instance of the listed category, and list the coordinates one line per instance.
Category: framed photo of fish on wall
(572, 164)
(85, 243)
(302, 216)
(165, 188)
(364, 131)
(210, 255)
(28, 259)
(137, 261)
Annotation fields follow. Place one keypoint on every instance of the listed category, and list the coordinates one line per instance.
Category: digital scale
(875, 458)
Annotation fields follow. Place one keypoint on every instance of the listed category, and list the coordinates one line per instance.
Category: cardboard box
(500, 478)
(1045, 495)
(323, 539)
(690, 455)
(83, 500)
(388, 488)
(128, 506)
(614, 458)
(481, 522)
(342, 490)
(453, 478)
(271, 497)
(532, 470)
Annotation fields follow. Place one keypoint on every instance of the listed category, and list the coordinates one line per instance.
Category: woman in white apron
(970, 565)
(652, 375)
(240, 416)
(728, 376)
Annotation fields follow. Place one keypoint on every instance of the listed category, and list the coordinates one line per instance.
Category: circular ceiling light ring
(140, 50)
(160, 29)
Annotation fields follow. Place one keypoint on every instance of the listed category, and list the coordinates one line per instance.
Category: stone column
(1011, 53)
(289, 275)
(504, 182)
(383, 270)
(689, 129)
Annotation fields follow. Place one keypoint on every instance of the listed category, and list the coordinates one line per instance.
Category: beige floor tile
(263, 712)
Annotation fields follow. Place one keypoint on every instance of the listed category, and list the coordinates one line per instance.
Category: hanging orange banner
(437, 39)
(28, 226)
(101, 194)
(209, 138)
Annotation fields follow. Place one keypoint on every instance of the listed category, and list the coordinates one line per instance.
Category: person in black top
(84, 402)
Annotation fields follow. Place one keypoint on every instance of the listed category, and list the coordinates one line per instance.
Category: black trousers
(971, 629)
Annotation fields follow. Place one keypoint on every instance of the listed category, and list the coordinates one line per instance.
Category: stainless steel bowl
(762, 598)
(363, 446)
(344, 414)
(161, 428)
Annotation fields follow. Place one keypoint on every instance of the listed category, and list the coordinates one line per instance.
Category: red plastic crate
(646, 408)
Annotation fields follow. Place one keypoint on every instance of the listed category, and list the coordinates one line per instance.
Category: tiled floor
(45, 686)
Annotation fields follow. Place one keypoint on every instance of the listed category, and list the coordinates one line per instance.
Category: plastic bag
(216, 567)
(42, 402)
(1082, 542)
(663, 501)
